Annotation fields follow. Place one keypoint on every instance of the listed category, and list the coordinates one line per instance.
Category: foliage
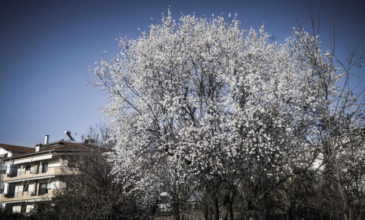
(206, 113)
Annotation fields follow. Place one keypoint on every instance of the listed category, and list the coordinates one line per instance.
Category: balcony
(28, 175)
(27, 197)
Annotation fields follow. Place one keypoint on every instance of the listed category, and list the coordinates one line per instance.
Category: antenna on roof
(68, 133)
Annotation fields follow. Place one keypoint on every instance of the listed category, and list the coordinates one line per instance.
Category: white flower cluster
(201, 98)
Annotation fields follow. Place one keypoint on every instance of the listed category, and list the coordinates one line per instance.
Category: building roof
(17, 149)
(60, 146)
(64, 146)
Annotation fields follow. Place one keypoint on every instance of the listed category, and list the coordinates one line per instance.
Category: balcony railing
(51, 171)
(21, 197)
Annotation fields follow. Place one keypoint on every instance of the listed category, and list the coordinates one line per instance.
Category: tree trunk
(231, 210)
(206, 211)
(216, 208)
(177, 211)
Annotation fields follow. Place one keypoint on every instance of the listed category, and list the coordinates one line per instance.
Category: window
(31, 190)
(13, 172)
(44, 167)
(43, 189)
(29, 208)
(10, 190)
(2, 169)
(21, 171)
(16, 209)
(18, 190)
(34, 169)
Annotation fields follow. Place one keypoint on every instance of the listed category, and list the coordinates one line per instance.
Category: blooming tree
(200, 103)
(341, 126)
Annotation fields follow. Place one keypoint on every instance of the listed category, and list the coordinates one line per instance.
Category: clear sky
(47, 47)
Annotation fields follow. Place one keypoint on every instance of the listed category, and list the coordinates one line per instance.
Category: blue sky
(47, 47)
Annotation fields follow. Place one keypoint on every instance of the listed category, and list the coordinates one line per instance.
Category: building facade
(37, 176)
(7, 150)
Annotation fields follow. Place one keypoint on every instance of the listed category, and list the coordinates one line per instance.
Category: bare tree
(93, 193)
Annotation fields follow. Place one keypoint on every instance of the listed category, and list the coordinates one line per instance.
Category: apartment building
(36, 176)
(7, 150)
